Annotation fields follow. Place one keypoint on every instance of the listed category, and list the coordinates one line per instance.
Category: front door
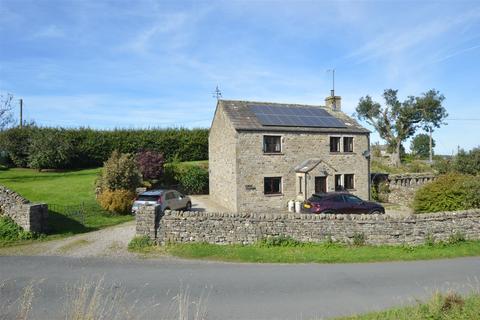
(320, 184)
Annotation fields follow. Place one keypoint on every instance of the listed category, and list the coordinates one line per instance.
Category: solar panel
(295, 117)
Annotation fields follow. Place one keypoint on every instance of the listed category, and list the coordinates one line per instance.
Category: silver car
(162, 200)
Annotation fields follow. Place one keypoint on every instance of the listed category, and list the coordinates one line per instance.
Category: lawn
(441, 307)
(317, 253)
(66, 193)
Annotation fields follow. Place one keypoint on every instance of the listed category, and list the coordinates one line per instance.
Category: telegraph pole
(21, 113)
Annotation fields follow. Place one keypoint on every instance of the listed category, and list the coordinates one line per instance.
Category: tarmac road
(233, 290)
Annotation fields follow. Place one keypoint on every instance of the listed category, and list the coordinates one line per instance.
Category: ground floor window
(349, 181)
(272, 185)
(338, 182)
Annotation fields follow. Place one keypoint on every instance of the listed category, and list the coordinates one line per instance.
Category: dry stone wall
(247, 228)
(31, 217)
(403, 186)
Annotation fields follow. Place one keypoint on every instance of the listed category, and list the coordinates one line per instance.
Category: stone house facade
(259, 161)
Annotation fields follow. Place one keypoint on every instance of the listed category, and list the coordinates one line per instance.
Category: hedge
(90, 147)
(448, 192)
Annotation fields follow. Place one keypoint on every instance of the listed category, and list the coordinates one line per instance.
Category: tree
(398, 121)
(433, 114)
(150, 164)
(49, 149)
(6, 115)
(420, 145)
(468, 162)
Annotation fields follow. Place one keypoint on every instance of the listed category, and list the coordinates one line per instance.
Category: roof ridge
(271, 102)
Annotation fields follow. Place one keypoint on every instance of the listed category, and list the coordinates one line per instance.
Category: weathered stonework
(238, 163)
(31, 217)
(247, 228)
(403, 186)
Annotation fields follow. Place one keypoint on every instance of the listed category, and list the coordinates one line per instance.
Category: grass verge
(62, 191)
(309, 252)
(451, 306)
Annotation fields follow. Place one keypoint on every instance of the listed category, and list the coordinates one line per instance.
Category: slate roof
(243, 119)
(310, 164)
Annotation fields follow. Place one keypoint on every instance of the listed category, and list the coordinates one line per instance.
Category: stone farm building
(262, 154)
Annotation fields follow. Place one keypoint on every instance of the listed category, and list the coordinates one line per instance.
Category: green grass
(64, 190)
(441, 307)
(319, 253)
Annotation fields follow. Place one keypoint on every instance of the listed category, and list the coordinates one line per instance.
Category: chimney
(333, 102)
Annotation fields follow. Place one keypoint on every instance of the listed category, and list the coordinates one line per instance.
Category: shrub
(140, 242)
(117, 201)
(359, 239)
(50, 149)
(119, 172)
(280, 241)
(10, 231)
(193, 179)
(448, 193)
(150, 164)
(456, 237)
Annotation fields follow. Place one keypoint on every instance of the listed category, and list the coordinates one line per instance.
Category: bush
(448, 193)
(359, 239)
(117, 201)
(280, 241)
(140, 242)
(193, 179)
(50, 149)
(119, 172)
(10, 231)
(150, 164)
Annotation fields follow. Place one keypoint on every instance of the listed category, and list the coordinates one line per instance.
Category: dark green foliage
(90, 148)
(15, 143)
(50, 149)
(468, 162)
(280, 241)
(449, 192)
(420, 146)
(193, 179)
(10, 231)
(442, 165)
(397, 121)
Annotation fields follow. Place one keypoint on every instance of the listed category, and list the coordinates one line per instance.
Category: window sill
(341, 153)
(273, 153)
(273, 195)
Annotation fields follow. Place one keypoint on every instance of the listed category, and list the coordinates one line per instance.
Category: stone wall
(403, 186)
(247, 228)
(31, 217)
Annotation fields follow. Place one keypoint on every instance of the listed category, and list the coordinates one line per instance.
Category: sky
(138, 64)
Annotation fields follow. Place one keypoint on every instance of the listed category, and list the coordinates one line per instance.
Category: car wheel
(189, 206)
(375, 212)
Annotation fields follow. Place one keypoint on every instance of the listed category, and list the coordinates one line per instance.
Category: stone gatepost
(146, 222)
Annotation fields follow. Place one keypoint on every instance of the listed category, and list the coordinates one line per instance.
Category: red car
(337, 202)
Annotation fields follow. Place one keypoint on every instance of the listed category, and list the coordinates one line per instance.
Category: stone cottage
(263, 154)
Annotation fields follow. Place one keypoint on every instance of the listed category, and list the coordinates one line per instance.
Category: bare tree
(6, 113)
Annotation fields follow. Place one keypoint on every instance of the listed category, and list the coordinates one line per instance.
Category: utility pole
(21, 113)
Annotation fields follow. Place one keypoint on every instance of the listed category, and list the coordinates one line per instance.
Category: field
(67, 193)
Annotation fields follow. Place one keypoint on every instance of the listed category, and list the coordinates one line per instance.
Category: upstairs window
(348, 144)
(272, 144)
(349, 181)
(272, 185)
(334, 144)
